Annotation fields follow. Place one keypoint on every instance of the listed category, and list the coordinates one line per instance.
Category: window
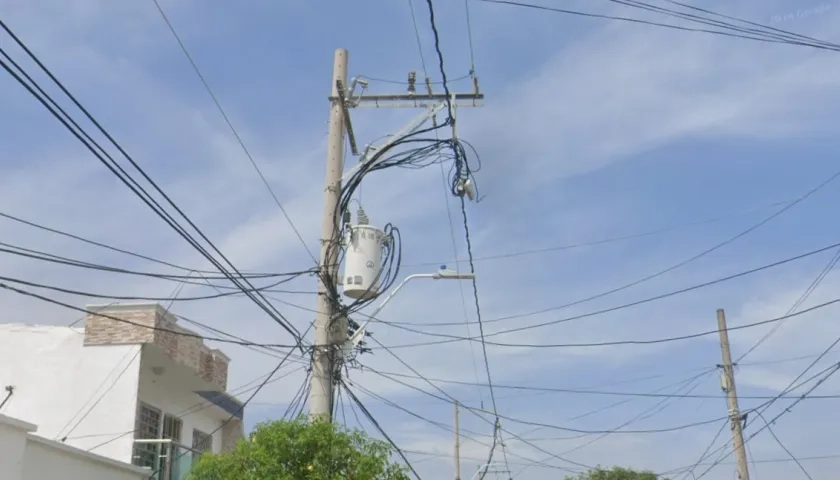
(172, 426)
(152, 424)
(201, 443)
(146, 426)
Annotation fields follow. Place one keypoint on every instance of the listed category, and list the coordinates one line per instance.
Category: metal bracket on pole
(412, 127)
(442, 274)
(339, 86)
(415, 101)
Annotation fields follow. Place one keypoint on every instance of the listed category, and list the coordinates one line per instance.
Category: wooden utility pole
(327, 331)
(457, 445)
(732, 396)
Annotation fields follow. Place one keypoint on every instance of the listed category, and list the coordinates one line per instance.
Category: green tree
(617, 473)
(302, 450)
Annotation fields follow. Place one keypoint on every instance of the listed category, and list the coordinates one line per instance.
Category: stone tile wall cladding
(149, 324)
(232, 432)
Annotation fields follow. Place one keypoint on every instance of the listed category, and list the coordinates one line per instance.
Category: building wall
(46, 460)
(12, 447)
(26, 456)
(166, 392)
(150, 323)
(57, 379)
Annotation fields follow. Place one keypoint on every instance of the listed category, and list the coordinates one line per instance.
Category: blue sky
(591, 130)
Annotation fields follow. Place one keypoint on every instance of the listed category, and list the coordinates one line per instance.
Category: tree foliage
(302, 450)
(617, 473)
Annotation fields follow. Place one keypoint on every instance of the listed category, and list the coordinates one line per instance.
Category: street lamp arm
(443, 274)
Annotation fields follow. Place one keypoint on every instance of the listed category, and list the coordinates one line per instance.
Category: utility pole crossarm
(415, 101)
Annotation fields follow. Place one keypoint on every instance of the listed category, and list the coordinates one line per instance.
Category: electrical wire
(477, 411)
(474, 411)
(462, 173)
(644, 414)
(764, 406)
(112, 296)
(799, 301)
(417, 38)
(449, 429)
(787, 451)
(608, 240)
(763, 31)
(600, 392)
(61, 260)
(57, 111)
(376, 424)
(455, 338)
(763, 37)
(403, 82)
(200, 406)
(238, 411)
(129, 322)
(100, 396)
(830, 371)
(232, 128)
(128, 252)
(672, 293)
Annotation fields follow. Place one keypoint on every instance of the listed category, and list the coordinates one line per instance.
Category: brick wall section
(165, 338)
(220, 369)
(151, 323)
(232, 432)
(101, 330)
(206, 364)
(189, 350)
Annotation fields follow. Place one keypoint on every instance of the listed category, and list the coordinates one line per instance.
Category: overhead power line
(376, 424)
(654, 298)
(181, 279)
(122, 320)
(128, 252)
(233, 129)
(455, 338)
(728, 30)
(579, 391)
(608, 240)
(115, 168)
(462, 168)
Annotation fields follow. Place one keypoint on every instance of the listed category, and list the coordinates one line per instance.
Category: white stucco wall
(167, 392)
(55, 377)
(13, 434)
(27, 456)
(46, 459)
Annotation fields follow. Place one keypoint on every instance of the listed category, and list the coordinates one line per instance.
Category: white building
(121, 389)
(25, 456)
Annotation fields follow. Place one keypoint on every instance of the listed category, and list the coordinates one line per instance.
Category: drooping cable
(787, 451)
(128, 252)
(60, 114)
(378, 427)
(766, 38)
(237, 413)
(462, 173)
(232, 128)
(799, 301)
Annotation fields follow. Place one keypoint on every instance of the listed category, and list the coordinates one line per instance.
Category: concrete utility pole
(732, 396)
(331, 332)
(327, 331)
(457, 445)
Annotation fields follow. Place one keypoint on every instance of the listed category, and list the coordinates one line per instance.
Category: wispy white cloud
(560, 138)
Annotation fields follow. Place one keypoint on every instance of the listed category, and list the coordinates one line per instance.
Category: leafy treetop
(302, 450)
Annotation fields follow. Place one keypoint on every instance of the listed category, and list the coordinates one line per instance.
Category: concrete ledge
(84, 454)
(18, 424)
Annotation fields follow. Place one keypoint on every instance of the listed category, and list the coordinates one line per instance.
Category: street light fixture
(442, 274)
